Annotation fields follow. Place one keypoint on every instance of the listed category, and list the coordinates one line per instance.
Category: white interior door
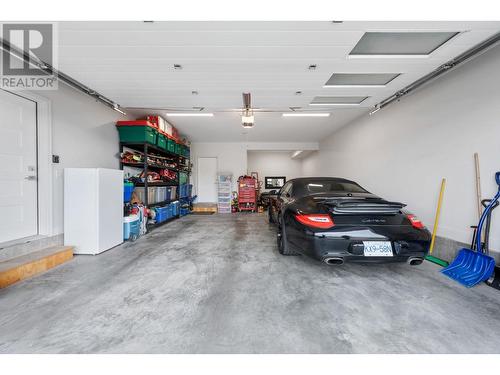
(18, 168)
(207, 180)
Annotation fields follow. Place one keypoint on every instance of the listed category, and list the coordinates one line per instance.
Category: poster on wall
(275, 182)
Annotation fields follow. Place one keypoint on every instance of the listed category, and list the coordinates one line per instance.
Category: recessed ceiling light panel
(400, 43)
(188, 114)
(305, 114)
(360, 79)
(337, 100)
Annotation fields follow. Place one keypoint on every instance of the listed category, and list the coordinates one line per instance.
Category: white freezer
(93, 209)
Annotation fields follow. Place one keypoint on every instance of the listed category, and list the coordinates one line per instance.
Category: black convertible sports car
(335, 221)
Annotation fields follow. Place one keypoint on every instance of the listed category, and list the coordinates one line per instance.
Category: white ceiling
(132, 64)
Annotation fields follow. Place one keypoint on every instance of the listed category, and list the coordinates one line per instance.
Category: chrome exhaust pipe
(334, 261)
(415, 261)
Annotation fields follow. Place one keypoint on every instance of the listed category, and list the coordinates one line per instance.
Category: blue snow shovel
(471, 267)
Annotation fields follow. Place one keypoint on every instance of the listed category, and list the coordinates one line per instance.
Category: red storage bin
(135, 123)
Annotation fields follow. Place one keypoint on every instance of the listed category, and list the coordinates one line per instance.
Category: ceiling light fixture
(316, 114)
(312, 67)
(351, 86)
(194, 92)
(177, 66)
(185, 114)
(387, 56)
(247, 118)
(335, 104)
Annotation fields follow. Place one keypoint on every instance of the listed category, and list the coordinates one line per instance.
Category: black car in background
(266, 196)
(335, 220)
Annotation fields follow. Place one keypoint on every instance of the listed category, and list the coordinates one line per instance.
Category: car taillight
(415, 222)
(322, 221)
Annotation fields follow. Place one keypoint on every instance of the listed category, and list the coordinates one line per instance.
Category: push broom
(430, 257)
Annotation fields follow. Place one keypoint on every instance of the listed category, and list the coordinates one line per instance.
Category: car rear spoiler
(363, 206)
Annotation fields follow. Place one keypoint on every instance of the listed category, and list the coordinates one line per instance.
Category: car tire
(270, 216)
(283, 246)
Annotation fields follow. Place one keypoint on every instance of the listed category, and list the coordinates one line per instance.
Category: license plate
(377, 248)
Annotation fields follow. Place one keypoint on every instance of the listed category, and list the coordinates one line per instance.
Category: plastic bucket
(131, 227)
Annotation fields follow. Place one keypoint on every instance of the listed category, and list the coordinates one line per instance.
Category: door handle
(31, 178)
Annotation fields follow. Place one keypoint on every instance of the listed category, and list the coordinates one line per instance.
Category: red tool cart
(247, 197)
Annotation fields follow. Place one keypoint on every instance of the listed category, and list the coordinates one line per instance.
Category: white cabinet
(93, 209)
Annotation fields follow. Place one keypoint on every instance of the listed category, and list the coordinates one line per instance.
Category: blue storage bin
(169, 193)
(185, 190)
(128, 188)
(162, 214)
(175, 208)
(171, 210)
(131, 227)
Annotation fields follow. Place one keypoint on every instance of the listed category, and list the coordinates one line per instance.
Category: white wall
(403, 151)
(83, 135)
(232, 156)
(274, 163)
(310, 165)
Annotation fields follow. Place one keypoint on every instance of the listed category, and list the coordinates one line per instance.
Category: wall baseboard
(447, 249)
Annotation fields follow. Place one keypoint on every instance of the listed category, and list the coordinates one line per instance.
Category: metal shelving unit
(147, 150)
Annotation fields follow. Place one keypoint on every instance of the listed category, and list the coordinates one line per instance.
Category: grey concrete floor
(216, 284)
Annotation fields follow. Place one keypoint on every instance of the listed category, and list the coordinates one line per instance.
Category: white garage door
(18, 168)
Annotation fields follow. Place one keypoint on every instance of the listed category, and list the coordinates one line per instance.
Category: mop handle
(485, 214)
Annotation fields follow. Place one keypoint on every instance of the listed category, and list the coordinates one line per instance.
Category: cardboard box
(158, 121)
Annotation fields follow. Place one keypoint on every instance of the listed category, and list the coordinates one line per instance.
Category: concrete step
(20, 268)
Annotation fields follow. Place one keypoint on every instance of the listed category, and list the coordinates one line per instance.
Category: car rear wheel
(283, 247)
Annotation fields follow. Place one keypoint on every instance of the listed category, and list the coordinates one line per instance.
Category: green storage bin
(170, 145)
(137, 134)
(161, 141)
(178, 148)
(183, 178)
